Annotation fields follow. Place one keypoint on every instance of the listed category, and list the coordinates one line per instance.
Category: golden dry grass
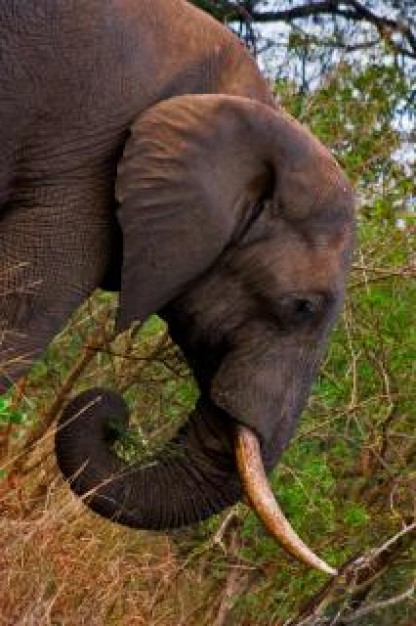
(61, 564)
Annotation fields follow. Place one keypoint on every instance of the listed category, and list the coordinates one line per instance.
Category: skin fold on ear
(188, 175)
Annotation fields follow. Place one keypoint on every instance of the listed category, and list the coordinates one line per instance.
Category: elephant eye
(304, 308)
(294, 310)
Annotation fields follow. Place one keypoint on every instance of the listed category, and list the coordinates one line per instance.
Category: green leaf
(355, 515)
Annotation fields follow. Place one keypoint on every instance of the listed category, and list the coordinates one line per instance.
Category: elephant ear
(189, 175)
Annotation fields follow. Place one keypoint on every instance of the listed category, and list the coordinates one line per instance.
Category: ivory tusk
(261, 498)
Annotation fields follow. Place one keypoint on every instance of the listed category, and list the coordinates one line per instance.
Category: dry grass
(61, 564)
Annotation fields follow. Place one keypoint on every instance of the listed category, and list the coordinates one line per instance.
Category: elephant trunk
(191, 479)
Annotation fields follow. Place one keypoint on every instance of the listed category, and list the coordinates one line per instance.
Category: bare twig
(379, 606)
(49, 417)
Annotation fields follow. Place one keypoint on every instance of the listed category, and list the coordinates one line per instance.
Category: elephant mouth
(263, 502)
(242, 442)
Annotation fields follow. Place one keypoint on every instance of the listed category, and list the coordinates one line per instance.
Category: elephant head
(237, 229)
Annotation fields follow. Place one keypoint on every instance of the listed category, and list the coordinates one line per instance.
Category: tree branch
(378, 606)
(352, 10)
(350, 588)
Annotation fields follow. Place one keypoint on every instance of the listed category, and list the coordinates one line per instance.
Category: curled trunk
(191, 479)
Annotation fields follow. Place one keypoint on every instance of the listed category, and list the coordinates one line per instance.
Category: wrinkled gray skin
(231, 221)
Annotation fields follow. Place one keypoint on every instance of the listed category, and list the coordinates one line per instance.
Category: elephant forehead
(320, 269)
(296, 264)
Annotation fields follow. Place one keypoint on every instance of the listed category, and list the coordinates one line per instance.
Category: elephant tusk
(261, 498)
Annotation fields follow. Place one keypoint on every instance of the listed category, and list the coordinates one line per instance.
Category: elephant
(143, 152)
